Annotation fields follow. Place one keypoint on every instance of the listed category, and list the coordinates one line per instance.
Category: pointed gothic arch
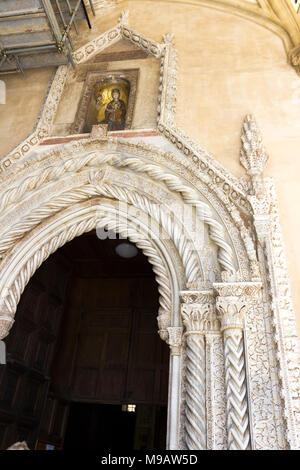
(78, 191)
(238, 337)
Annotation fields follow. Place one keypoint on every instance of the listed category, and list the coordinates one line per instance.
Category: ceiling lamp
(126, 250)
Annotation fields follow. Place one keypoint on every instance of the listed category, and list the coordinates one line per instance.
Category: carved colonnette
(204, 374)
(175, 343)
(232, 304)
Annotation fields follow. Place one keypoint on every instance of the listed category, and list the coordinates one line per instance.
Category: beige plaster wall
(228, 67)
(24, 99)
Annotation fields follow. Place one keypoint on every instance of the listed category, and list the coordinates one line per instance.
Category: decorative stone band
(198, 315)
(232, 305)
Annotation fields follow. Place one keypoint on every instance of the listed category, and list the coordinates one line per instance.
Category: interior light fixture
(126, 250)
(129, 408)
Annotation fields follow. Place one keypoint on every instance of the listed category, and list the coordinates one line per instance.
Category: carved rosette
(198, 316)
(232, 305)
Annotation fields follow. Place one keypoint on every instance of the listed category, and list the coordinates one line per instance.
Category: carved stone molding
(175, 183)
(238, 289)
(199, 317)
(91, 218)
(276, 306)
(282, 319)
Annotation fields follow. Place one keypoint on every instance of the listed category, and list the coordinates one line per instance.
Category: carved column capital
(232, 303)
(231, 312)
(175, 339)
(198, 312)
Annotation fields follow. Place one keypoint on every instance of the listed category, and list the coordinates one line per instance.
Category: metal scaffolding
(37, 33)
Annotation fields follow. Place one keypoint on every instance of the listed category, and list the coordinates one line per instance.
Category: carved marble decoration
(44, 122)
(253, 153)
(216, 230)
(99, 131)
(215, 392)
(254, 158)
(175, 339)
(50, 195)
(195, 403)
(232, 304)
(263, 203)
(94, 218)
(281, 321)
(175, 343)
(6, 323)
(198, 316)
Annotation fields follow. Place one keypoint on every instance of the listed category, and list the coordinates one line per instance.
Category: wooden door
(117, 354)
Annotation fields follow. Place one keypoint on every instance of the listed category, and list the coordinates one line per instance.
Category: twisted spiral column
(199, 318)
(195, 412)
(236, 390)
(232, 305)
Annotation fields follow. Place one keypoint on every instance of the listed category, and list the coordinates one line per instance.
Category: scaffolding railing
(62, 17)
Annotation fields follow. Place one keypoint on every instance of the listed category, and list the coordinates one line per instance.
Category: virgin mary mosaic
(113, 104)
(107, 99)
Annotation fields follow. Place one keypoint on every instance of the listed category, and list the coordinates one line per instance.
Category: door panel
(118, 354)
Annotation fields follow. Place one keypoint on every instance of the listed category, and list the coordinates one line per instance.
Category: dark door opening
(114, 428)
(83, 344)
